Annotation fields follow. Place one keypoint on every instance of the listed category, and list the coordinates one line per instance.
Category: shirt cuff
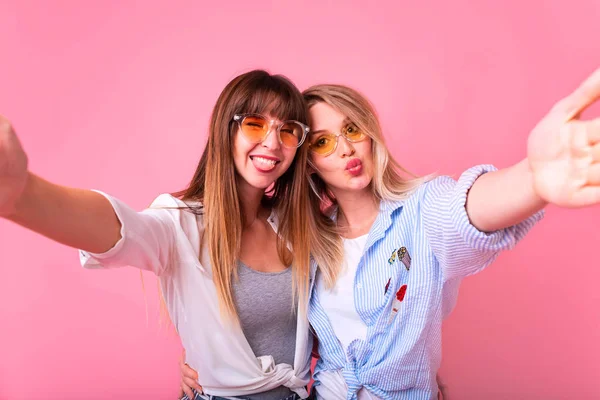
(503, 239)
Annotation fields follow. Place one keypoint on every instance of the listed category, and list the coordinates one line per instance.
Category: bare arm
(562, 167)
(79, 218)
(75, 217)
(503, 198)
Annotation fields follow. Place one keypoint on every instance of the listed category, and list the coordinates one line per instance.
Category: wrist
(15, 200)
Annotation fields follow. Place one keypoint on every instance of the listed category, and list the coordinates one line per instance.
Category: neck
(250, 203)
(357, 211)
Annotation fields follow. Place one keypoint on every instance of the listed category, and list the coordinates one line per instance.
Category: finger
(586, 94)
(189, 372)
(191, 383)
(596, 153)
(593, 178)
(576, 134)
(587, 196)
(4, 124)
(592, 128)
(583, 136)
(188, 392)
(188, 386)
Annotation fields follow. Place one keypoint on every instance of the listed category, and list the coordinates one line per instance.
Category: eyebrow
(345, 122)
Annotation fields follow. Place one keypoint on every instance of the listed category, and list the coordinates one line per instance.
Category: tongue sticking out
(263, 164)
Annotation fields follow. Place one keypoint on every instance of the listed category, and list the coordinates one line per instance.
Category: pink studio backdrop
(116, 95)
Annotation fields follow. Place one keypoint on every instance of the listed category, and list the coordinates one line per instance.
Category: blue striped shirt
(417, 252)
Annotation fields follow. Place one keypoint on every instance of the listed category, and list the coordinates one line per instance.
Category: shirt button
(359, 285)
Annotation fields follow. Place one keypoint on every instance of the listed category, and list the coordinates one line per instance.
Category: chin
(259, 183)
(256, 182)
(359, 184)
(358, 188)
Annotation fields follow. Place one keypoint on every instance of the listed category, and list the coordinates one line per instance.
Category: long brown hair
(214, 184)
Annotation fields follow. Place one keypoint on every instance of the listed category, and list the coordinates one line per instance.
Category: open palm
(564, 151)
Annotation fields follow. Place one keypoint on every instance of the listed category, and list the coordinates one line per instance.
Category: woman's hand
(189, 379)
(13, 168)
(564, 151)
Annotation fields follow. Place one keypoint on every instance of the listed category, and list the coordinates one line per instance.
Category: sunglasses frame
(337, 139)
(239, 118)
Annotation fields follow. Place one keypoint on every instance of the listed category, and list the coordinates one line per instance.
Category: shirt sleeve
(147, 237)
(459, 246)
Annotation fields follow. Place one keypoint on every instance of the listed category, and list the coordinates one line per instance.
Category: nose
(271, 141)
(345, 148)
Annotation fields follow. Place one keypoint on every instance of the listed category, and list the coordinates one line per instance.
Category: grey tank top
(264, 305)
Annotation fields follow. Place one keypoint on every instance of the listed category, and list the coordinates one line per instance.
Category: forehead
(273, 104)
(323, 116)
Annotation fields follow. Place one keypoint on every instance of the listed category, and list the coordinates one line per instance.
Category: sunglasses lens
(322, 144)
(354, 134)
(291, 134)
(255, 128)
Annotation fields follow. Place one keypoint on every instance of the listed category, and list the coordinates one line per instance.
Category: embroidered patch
(387, 286)
(400, 294)
(392, 258)
(404, 257)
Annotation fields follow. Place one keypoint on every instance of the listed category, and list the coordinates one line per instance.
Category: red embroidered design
(401, 293)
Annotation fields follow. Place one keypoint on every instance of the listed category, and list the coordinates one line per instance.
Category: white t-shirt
(338, 304)
(165, 239)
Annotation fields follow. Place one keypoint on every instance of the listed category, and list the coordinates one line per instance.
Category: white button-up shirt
(166, 239)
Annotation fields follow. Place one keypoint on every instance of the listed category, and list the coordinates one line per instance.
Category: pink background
(116, 95)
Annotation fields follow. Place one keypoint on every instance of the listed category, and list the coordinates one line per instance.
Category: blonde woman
(214, 245)
(408, 243)
(402, 246)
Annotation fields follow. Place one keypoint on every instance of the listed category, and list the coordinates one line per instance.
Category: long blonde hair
(214, 185)
(388, 184)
